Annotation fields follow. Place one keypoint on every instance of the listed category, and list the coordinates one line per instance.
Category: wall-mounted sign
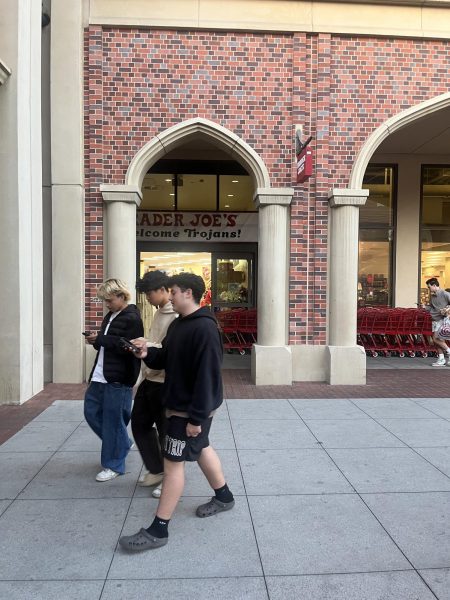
(152, 226)
(304, 164)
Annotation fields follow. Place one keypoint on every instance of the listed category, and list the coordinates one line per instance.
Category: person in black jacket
(191, 354)
(108, 399)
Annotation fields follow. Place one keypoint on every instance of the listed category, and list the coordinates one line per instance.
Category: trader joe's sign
(196, 226)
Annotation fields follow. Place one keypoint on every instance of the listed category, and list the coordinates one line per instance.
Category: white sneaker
(157, 491)
(440, 361)
(106, 475)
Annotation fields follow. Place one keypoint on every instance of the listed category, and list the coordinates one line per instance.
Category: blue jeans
(107, 410)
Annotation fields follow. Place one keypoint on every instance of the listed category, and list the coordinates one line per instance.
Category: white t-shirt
(97, 375)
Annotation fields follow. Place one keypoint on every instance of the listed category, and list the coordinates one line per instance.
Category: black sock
(159, 527)
(223, 494)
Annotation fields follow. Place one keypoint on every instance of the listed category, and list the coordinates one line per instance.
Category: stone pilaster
(343, 282)
(121, 202)
(271, 359)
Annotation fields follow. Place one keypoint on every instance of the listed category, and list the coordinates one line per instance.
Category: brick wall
(140, 82)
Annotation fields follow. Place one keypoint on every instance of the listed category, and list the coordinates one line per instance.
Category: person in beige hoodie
(147, 409)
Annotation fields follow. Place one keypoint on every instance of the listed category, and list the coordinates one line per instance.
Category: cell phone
(86, 333)
(126, 344)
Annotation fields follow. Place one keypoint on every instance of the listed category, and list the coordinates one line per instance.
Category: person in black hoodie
(191, 354)
(108, 399)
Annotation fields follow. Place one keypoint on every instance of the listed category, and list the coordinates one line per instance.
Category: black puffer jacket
(119, 366)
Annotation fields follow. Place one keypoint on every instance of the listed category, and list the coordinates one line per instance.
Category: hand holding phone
(127, 345)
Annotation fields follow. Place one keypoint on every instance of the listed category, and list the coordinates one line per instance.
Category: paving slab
(427, 432)
(83, 439)
(3, 506)
(333, 408)
(18, 469)
(418, 523)
(51, 590)
(265, 434)
(72, 475)
(301, 471)
(39, 437)
(260, 409)
(321, 534)
(360, 433)
(439, 581)
(393, 408)
(62, 410)
(439, 457)
(196, 483)
(230, 588)
(59, 539)
(439, 406)
(221, 435)
(389, 470)
(361, 586)
(219, 546)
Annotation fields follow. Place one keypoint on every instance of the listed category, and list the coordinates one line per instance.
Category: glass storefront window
(196, 192)
(376, 237)
(158, 192)
(232, 282)
(435, 227)
(375, 252)
(236, 193)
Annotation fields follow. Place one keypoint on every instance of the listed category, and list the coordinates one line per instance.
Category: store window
(208, 186)
(435, 227)
(376, 237)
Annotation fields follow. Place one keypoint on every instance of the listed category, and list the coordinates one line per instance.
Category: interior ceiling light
(230, 195)
(235, 181)
(227, 206)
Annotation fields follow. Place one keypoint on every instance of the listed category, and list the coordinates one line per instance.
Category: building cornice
(399, 18)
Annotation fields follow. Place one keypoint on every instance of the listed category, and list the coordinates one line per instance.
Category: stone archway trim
(393, 124)
(166, 141)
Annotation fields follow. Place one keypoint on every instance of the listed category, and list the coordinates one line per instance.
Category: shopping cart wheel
(374, 354)
(424, 354)
(387, 354)
(412, 354)
(401, 354)
(242, 352)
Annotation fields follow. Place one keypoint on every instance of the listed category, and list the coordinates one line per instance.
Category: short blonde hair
(113, 287)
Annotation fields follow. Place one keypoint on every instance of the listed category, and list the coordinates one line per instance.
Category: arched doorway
(272, 205)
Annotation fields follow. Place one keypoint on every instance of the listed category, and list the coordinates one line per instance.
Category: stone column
(120, 234)
(271, 356)
(347, 364)
(21, 293)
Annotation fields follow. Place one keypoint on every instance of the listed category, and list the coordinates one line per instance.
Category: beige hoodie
(161, 321)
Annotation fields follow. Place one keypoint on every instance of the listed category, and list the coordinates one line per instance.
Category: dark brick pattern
(258, 85)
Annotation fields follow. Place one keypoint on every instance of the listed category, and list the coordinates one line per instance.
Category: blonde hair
(113, 287)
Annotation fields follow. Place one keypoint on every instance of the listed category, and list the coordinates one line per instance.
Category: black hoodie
(119, 365)
(191, 354)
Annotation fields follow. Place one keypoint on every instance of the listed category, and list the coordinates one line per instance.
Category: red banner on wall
(304, 164)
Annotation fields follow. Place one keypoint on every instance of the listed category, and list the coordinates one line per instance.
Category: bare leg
(172, 488)
(209, 463)
(442, 346)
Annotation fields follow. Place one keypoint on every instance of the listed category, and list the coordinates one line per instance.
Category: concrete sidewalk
(335, 499)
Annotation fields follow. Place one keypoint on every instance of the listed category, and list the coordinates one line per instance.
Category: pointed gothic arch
(393, 124)
(199, 128)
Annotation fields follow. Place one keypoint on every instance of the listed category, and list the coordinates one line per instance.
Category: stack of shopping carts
(395, 331)
(238, 329)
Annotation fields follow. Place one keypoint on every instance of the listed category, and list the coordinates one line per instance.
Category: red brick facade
(140, 82)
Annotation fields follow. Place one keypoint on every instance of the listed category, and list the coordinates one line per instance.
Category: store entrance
(229, 276)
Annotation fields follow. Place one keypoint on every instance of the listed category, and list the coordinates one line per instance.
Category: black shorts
(178, 447)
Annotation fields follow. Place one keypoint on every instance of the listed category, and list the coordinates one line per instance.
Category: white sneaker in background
(106, 475)
(157, 491)
(440, 361)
